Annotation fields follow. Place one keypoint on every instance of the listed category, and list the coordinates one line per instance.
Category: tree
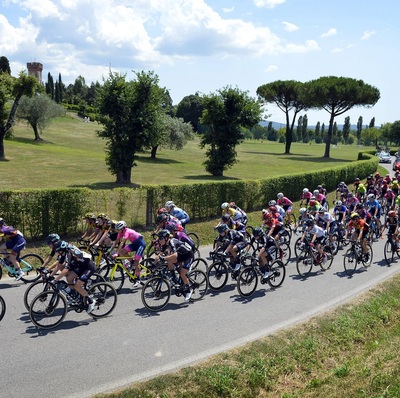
(359, 128)
(38, 112)
(4, 65)
(304, 126)
(338, 95)
(288, 96)
(225, 114)
(371, 136)
(190, 110)
(346, 129)
(131, 113)
(299, 129)
(372, 123)
(12, 89)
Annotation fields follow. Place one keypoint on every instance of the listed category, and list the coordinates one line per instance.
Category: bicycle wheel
(297, 248)
(29, 264)
(334, 244)
(367, 261)
(249, 232)
(278, 270)
(195, 238)
(106, 299)
(199, 283)
(304, 264)
(2, 308)
(48, 309)
(350, 262)
(114, 275)
(156, 293)
(390, 252)
(200, 264)
(247, 282)
(285, 252)
(217, 275)
(33, 290)
(329, 259)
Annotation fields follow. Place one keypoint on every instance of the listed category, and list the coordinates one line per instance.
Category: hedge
(40, 212)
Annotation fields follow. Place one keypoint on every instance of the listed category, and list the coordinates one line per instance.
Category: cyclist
(360, 232)
(163, 219)
(274, 208)
(360, 191)
(305, 197)
(237, 242)
(233, 205)
(390, 198)
(14, 241)
(236, 215)
(137, 245)
(51, 240)
(392, 225)
(319, 197)
(101, 226)
(395, 187)
(340, 211)
(268, 252)
(79, 267)
(177, 212)
(90, 220)
(286, 204)
(351, 202)
(181, 254)
(180, 235)
(232, 224)
(109, 235)
(273, 225)
(374, 209)
(317, 235)
(313, 206)
(341, 191)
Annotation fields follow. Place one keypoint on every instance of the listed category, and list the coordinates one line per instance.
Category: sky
(205, 45)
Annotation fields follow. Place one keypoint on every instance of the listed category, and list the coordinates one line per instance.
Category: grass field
(71, 155)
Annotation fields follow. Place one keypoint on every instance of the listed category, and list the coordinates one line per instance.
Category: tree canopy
(226, 113)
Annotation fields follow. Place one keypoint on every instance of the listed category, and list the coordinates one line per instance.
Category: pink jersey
(284, 202)
(306, 195)
(129, 234)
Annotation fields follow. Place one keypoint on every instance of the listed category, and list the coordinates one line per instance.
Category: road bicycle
(49, 308)
(157, 291)
(309, 257)
(97, 252)
(117, 269)
(2, 308)
(44, 284)
(247, 280)
(374, 232)
(391, 249)
(355, 255)
(29, 264)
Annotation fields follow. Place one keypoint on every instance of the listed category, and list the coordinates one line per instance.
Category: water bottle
(127, 264)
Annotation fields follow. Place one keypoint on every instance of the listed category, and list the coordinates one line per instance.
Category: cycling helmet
(233, 204)
(303, 210)
(163, 234)
(120, 225)
(52, 238)
(2, 222)
(369, 177)
(392, 213)
(225, 205)
(315, 192)
(280, 195)
(171, 226)
(110, 223)
(357, 179)
(305, 190)
(272, 208)
(258, 231)
(272, 203)
(359, 206)
(338, 203)
(310, 222)
(169, 204)
(267, 215)
(90, 216)
(319, 186)
(395, 182)
(103, 216)
(221, 228)
(371, 196)
(313, 202)
(225, 218)
(76, 252)
(322, 209)
(377, 174)
(350, 195)
(161, 218)
(162, 210)
(61, 246)
(354, 216)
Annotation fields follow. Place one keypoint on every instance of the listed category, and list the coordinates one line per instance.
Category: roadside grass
(349, 352)
(71, 155)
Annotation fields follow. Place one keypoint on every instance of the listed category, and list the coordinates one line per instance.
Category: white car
(384, 157)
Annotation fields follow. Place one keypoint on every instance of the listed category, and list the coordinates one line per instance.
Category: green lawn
(73, 156)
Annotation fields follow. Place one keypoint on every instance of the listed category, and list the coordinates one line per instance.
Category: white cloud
(228, 10)
(268, 3)
(271, 68)
(310, 45)
(330, 32)
(367, 34)
(290, 27)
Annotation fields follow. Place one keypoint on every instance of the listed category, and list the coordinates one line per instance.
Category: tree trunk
(154, 151)
(2, 154)
(124, 176)
(329, 137)
(36, 131)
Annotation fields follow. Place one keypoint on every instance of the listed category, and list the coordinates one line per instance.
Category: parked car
(384, 157)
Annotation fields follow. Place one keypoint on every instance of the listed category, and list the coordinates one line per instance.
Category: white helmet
(169, 204)
(315, 192)
(338, 203)
(371, 196)
(280, 195)
(303, 210)
(272, 203)
(225, 205)
(120, 225)
(305, 190)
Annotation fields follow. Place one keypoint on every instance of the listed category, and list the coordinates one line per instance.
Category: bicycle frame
(25, 266)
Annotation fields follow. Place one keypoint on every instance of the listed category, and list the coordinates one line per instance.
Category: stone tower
(35, 69)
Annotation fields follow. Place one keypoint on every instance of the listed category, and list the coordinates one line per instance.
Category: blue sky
(205, 45)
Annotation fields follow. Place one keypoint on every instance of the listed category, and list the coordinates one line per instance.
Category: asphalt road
(82, 356)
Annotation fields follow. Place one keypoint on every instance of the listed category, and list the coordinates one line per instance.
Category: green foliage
(190, 110)
(225, 115)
